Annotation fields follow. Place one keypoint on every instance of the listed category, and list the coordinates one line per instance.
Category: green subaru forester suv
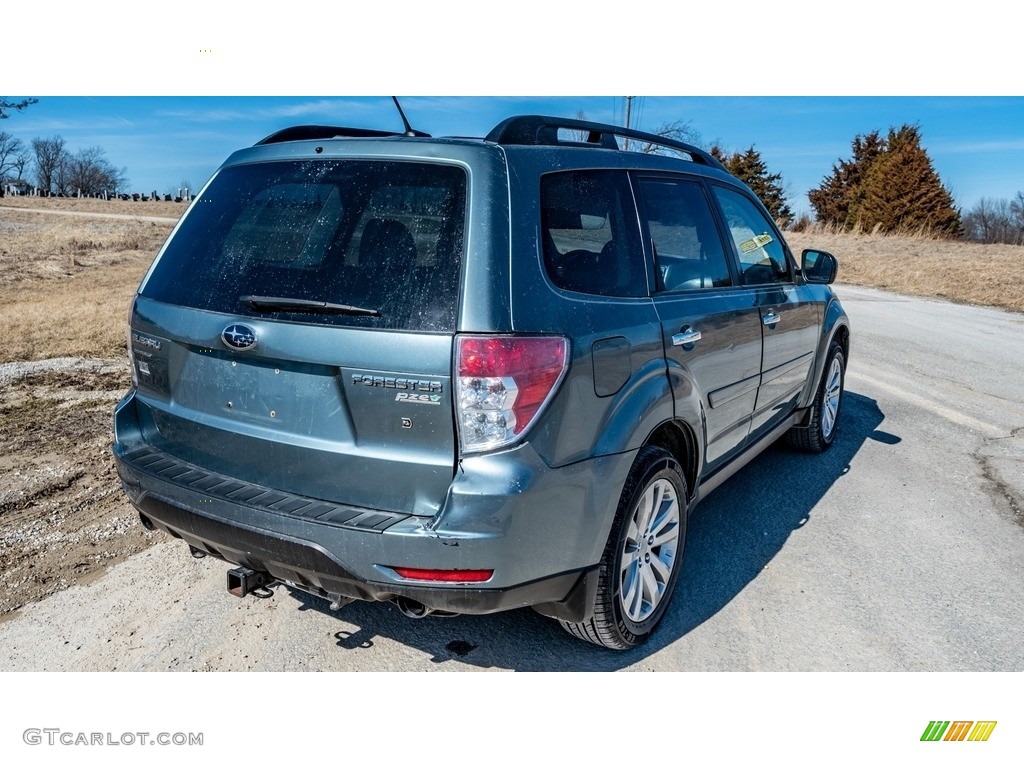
(467, 375)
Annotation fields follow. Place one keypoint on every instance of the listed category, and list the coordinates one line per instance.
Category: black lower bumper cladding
(310, 567)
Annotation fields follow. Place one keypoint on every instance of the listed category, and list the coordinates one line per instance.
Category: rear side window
(589, 233)
(385, 236)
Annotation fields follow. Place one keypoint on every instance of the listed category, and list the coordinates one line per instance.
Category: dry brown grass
(38, 246)
(65, 282)
(969, 273)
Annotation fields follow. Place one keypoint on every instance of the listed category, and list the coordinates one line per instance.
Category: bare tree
(1017, 213)
(676, 130)
(88, 171)
(20, 163)
(13, 156)
(18, 106)
(579, 135)
(982, 221)
(51, 158)
(996, 221)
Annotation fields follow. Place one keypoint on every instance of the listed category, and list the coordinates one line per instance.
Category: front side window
(761, 253)
(589, 233)
(687, 249)
(379, 235)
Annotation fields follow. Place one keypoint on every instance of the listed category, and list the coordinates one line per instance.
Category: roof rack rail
(310, 132)
(541, 130)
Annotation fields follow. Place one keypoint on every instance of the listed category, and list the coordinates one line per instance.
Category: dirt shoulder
(66, 283)
(63, 518)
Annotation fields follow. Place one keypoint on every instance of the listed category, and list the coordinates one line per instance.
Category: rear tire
(642, 559)
(821, 432)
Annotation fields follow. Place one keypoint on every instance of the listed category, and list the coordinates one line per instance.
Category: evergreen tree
(901, 190)
(831, 201)
(749, 168)
(889, 183)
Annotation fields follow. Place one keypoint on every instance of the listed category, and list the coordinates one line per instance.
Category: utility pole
(629, 109)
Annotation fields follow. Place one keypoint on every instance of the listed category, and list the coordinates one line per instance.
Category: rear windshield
(380, 236)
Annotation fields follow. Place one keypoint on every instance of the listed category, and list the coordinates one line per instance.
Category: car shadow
(737, 530)
(733, 534)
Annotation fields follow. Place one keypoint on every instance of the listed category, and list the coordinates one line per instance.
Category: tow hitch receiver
(242, 580)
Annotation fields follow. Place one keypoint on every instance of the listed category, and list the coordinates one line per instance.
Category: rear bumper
(541, 530)
(309, 566)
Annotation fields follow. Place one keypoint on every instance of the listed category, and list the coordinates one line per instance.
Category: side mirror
(818, 266)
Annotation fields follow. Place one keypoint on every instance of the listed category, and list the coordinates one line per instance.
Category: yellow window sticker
(757, 241)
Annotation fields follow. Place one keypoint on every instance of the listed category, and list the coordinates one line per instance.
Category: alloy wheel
(649, 550)
(830, 401)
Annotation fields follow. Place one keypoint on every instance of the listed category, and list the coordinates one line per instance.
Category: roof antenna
(409, 131)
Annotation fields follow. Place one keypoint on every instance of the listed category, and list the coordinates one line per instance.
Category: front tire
(821, 432)
(642, 559)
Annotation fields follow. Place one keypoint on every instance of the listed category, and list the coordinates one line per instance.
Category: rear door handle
(686, 337)
(770, 318)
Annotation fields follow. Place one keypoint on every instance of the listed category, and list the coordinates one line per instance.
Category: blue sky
(976, 143)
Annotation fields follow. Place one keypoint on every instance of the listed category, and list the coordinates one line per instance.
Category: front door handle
(770, 318)
(686, 337)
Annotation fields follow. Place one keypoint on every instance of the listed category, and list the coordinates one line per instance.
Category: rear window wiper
(305, 305)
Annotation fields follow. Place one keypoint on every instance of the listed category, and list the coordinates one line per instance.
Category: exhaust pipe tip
(414, 609)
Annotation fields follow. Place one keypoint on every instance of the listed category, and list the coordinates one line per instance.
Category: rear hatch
(296, 331)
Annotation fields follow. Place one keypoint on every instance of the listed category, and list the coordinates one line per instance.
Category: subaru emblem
(239, 336)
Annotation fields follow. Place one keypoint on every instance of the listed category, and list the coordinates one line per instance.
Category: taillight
(503, 383)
